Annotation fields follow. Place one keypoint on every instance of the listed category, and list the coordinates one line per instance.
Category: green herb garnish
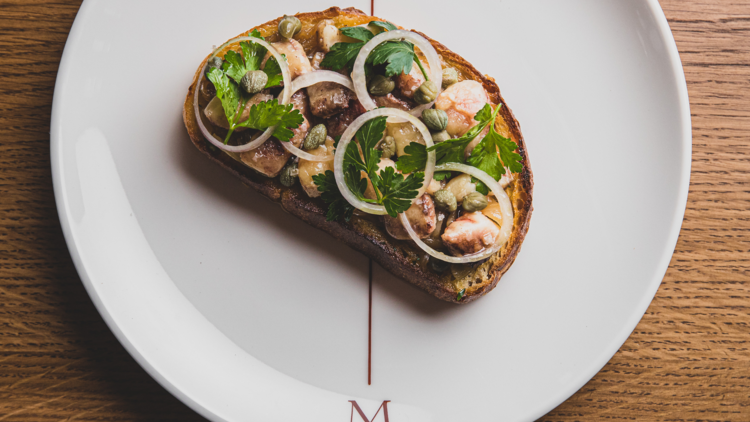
(398, 56)
(233, 98)
(392, 190)
(481, 157)
(460, 295)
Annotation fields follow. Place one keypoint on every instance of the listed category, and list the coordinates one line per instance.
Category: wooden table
(688, 359)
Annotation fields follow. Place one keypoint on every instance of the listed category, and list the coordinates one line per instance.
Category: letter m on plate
(356, 407)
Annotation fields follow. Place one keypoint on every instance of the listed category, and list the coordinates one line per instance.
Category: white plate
(245, 313)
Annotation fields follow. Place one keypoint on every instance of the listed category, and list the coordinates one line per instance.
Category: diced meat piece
(296, 58)
(470, 233)
(337, 124)
(328, 98)
(409, 83)
(391, 101)
(308, 169)
(421, 215)
(461, 102)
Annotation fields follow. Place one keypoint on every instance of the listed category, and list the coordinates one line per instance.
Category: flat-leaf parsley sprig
(398, 56)
(392, 190)
(493, 153)
(233, 99)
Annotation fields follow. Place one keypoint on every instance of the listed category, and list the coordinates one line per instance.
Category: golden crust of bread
(367, 235)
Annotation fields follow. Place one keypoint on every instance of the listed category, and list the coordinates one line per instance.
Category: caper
(254, 81)
(426, 93)
(388, 146)
(435, 119)
(316, 137)
(289, 26)
(450, 76)
(445, 200)
(215, 62)
(289, 174)
(440, 136)
(474, 201)
(380, 85)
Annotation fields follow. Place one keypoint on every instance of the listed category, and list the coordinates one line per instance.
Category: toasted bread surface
(365, 233)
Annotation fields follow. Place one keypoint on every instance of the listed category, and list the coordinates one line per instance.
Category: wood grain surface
(688, 359)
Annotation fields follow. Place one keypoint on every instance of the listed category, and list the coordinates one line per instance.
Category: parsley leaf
(271, 113)
(460, 295)
(416, 158)
(273, 71)
(358, 33)
(338, 207)
(398, 192)
(342, 56)
(441, 175)
(398, 54)
(227, 91)
(385, 25)
(494, 153)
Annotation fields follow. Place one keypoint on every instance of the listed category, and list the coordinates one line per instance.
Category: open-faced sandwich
(379, 136)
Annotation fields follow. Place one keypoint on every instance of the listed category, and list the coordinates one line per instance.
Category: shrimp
(421, 216)
(461, 101)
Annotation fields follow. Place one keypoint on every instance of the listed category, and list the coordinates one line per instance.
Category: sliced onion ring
(358, 73)
(338, 164)
(286, 95)
(318, 76)
(303, 81)
(505, 207)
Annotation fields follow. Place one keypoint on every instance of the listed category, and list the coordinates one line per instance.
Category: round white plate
(246, 313)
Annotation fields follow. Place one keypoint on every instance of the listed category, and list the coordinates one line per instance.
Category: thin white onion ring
(338, 164)
(303, 81)
(285, 97)
(505, 207)
(358, 72)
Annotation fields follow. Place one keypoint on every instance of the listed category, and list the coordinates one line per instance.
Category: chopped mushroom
(470, 233)
(296, 58)
(308, 169)
(421, 215)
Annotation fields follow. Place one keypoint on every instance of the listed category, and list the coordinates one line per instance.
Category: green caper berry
(388, 146)
(435, 119)
(474, 201)
(289, 26)
(445, 200)
(380, 85)
(216, 62)
(440, 136)
(450, 76)
(426, 93)
(316, 137)
(289, 174)
(254, 81)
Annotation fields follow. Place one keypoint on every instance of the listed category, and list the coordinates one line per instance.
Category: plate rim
(62, 205)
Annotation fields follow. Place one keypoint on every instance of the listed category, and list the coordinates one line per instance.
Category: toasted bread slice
(365, 233)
